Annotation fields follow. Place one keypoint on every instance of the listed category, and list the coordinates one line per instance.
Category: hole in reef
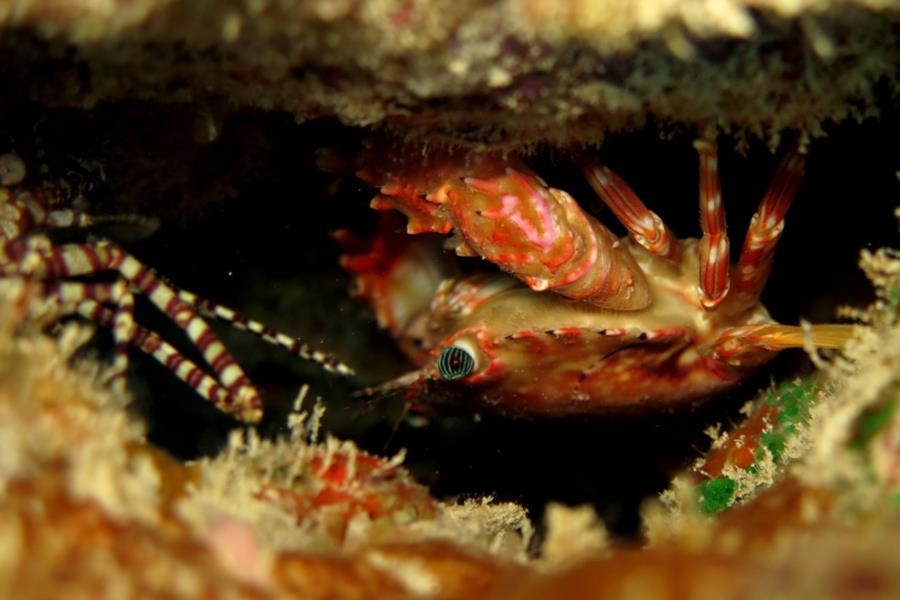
(257, 240)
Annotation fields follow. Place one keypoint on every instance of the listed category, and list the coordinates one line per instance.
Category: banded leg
(26, 257)
(68, 296)
(63, 218)
(183, 368)
(27, 211)
(765, 229)
(715, 260)
(751, 344)
(88, 300)
(121, 321)
(30, 210)
(295, 346)
(643, 225)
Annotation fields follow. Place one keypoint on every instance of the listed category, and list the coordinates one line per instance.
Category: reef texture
(87, 508)
(508, 72)
(799, 501)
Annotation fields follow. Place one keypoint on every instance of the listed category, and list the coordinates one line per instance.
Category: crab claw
(509, 216)
(500, 210)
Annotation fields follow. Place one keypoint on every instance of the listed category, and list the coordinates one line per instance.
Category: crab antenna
(404, 381)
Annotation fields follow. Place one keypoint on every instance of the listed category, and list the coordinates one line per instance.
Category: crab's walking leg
(765, 229)
(37, 258)
(715, 260)
(150, 343)
(66, 297)
(751, 344)
(123, 326)
(30, 211)
(293, 345)
(88, 300)
(643, 225)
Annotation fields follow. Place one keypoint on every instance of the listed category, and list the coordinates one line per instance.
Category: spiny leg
(34, 255)
(643, 225)
(765, 229)
(23, 252)
(247, 404)
(715, 260)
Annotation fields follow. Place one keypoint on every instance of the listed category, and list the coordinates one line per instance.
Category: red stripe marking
(240, 382)
(138, 278)
(206, 338)
(194, 377)
(172, 307)
(175, 361)
(221, 362)
(152, 284)
(93, 257)
(145, 341)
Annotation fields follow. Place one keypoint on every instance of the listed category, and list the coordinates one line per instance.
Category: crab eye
(455, 362)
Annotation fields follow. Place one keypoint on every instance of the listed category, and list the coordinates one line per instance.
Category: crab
(575, 320)
(51, 275)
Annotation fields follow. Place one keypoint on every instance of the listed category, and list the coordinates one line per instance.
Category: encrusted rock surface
(510, 72)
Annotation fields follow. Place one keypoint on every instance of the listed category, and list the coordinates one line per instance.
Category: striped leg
(715, 261)
(71, 294)
(293, 345)
(766, 227)
(643, 225)
(26, 211)
(31, 210)
(63, 218)
(70, 260)
(150, 343)
(24, 251)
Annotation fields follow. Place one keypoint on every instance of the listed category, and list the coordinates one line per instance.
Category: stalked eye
(455, 362)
